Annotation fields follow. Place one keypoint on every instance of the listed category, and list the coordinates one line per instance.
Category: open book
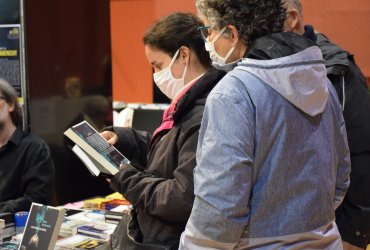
(94, 151)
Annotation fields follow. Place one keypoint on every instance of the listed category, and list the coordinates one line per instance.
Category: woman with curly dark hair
(272, 157)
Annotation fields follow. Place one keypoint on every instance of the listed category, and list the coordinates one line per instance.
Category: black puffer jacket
(161, 185)
(353, 216)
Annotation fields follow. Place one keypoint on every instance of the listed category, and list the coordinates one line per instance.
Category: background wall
(132, 74)
(69, 75)
(344, 22)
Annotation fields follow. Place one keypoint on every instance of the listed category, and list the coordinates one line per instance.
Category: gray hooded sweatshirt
(272, 160)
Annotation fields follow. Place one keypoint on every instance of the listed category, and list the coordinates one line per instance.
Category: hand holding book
(99, 156)
(110, 136)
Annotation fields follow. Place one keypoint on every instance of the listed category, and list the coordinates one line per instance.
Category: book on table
(7, 225)
(94, 151)
(101, 230)
(79, 241)
(42, 227)
(8, 245)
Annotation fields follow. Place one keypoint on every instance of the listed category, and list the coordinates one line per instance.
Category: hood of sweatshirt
(298, 75)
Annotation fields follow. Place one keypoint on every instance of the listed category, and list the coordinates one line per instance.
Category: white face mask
(169, 85)
(218, 61)
(226, 67)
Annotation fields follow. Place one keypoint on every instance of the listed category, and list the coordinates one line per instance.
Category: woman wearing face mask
(272, 160)
(224, 46)
(160, 187)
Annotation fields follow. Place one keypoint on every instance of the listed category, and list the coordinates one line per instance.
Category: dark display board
(10, 11)
(10, 55)
(12, 52)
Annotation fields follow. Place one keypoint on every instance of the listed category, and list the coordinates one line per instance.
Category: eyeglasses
(205, 32)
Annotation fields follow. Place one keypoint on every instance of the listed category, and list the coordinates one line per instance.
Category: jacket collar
(336, 59)
(277, 45)
(16, 136)
(197, 93)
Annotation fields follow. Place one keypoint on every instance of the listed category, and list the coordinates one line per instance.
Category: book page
(91, 166)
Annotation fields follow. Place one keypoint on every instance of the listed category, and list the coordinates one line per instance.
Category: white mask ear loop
(217, 36)
(229, 53)
(185, 70)
(173, 59)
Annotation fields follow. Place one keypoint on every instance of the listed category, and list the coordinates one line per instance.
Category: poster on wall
(10, 56)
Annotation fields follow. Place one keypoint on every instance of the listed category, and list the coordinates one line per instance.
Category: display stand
(12, 53)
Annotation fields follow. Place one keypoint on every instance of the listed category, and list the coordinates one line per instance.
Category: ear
(11, 107)
(234, 34)
(294, 22)
(184, 55)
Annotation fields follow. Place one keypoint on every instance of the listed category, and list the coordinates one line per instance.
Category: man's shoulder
(30, 138)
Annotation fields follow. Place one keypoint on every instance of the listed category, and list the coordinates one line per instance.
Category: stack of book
(8, 230)
(113, 217)
(79, 242)
(109, 205)
(69, 227)
(8, 245)
(85, 230)
(99, 230)
(94, 203)
(2, 225)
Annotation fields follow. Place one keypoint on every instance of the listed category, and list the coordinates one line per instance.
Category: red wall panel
(344, 22)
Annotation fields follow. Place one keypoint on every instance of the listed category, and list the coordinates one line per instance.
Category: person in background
(26, 167)
(95, 111)
(272, 161)
(160, 185)
(353, 215)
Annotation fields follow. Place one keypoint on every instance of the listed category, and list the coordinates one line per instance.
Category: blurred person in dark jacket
(353, 215)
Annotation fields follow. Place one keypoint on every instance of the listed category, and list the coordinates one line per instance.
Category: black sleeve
(353, 215)
(133, 144)
(37, 180)
(356, 102)
(158, 196)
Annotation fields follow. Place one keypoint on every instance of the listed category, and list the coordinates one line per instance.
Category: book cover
(94, 151)
(109, 205)
(69, 227)
(79, 242)
(42, 227)
(113, 215)
(99, 230)
(90, 244)
(8, 245)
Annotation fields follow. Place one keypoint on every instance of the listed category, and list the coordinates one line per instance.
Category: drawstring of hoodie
(343, 93)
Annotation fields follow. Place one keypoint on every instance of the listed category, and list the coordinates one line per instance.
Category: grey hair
(251, 18)
(10, 95)
(212, 15)
(296, 4)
